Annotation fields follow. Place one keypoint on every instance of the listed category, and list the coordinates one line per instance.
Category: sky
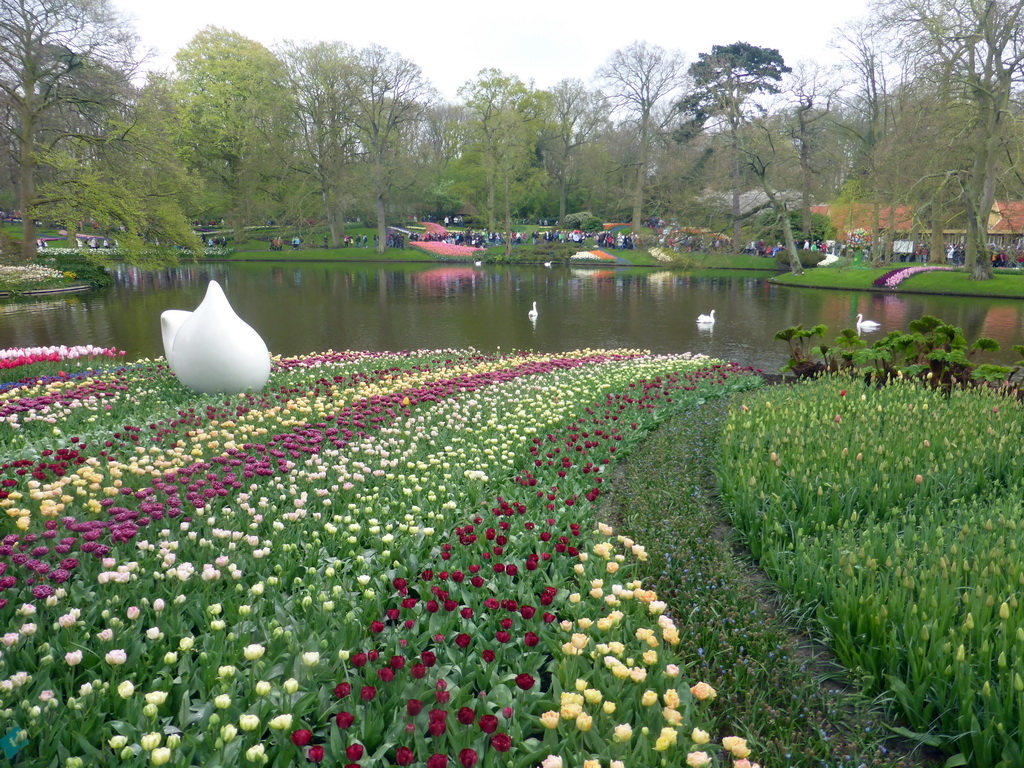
(539, 40)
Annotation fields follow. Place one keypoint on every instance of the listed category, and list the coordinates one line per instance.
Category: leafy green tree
(234, 99)
(135, 187)
(492, 99)
(63, 64)
(724, 82)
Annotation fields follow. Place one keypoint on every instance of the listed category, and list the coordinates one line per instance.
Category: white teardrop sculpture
(170, 322)
(213, 349)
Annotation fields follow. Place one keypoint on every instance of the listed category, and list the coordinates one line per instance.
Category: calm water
(307, 307)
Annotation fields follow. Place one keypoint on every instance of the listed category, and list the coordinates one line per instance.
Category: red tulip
(488, 723)
(468, 758)
(315, 754)
(367, 693)
(344, 720)
(437, 761)
(501, 742)
(414, 707)
(341, 690)
(525, 681)
(404, 756)
(355, 751)
(302, 737)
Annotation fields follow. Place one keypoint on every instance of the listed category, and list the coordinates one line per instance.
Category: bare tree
(322, 80)
(977, 47)
(639, 78)
(576, 116)
(390, 95)
(49, 52)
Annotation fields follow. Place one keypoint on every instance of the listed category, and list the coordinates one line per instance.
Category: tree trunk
(27, 188)
(979, 195)
(562, 202)
(382, 230)
(508, 218)
(736, 226)
(335, 223)
(638, 194)
(937, 242)
(641, 175)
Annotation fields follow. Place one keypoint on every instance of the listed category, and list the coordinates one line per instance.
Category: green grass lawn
(1005, 282)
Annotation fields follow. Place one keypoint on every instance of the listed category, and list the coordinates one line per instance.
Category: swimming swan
(706, 319)
(532, 314)
(867, 325)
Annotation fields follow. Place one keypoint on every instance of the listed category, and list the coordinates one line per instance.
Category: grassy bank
(1007, 283)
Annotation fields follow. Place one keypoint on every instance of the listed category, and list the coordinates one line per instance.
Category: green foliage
(583, 220)
(800, 351)
(893, 514)
(86, 270)
(807, 258)
(931, 351)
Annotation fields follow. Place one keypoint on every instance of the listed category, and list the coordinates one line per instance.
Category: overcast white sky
(542, 40)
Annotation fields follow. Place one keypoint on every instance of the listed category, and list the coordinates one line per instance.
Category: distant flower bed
(828, 260)
(19, 356)
(26, 274)
(592, 256)
(117, 252)
(661, 254)
(447, 249)
(434, 229)
(894, 277)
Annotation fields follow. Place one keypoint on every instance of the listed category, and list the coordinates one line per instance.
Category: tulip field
(394, 559)
(896, 514)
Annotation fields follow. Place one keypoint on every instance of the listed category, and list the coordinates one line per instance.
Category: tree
(768, 158)
(724, 83)
(575, 117)
(134, 185)
(232, 92)
(322, 80)
(53, 56)
(490, 98)
(386, 105)
(812, 94)
(977, 46)
(639, 78)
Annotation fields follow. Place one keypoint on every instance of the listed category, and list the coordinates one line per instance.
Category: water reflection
(301, 307)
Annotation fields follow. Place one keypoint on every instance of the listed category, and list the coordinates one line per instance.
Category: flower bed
(15, 276)
(382, 559)
(432, 228)
(894, 277)
(592, 256)
(896, 511)
(447, 250)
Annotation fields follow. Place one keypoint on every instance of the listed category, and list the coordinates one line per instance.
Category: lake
(303, 307)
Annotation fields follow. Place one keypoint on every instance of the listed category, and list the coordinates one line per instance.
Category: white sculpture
(212, 349)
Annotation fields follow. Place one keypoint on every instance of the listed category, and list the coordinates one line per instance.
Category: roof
(1007, 217)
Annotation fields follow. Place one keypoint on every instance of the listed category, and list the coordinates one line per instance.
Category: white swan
(532, 314)
(706, 319)
(547, 263)
(867, 325)
(478, 263)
